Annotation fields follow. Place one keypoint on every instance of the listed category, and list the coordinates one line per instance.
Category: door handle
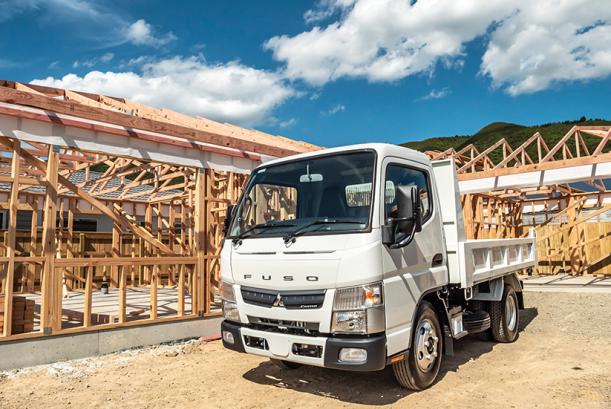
(437, 260)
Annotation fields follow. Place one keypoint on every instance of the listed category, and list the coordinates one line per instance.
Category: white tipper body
(334, 261)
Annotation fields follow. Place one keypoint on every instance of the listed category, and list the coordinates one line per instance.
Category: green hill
(513, 133)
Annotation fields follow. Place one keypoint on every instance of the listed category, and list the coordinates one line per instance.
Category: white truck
(355, 258)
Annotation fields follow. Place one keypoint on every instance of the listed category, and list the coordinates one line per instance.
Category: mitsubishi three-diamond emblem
(278, 301)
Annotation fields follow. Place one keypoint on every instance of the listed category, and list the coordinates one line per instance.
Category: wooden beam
(559, 164)
(10, 250)
(48, 320)
(14, 96)
(50, 117)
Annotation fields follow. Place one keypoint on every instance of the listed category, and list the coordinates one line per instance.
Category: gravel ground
(561, 360)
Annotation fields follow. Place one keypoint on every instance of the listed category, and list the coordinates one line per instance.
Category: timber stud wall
(166, 235)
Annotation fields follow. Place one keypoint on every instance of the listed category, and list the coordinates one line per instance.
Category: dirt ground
(561, 360)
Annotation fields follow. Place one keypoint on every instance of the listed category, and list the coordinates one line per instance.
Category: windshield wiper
(304, 229)
(250, 230)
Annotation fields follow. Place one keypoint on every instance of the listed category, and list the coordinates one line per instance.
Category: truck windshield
(296, 196)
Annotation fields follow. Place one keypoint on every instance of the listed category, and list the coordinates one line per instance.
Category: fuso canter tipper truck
(355, 258)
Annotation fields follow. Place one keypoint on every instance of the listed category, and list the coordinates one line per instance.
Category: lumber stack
(23, 315)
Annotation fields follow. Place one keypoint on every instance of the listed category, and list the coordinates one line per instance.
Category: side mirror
(228, 217)
(400, 230)
(409, 208)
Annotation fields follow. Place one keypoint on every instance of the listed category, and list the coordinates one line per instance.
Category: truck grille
(283, 324)
(291, 300)
(302, 328)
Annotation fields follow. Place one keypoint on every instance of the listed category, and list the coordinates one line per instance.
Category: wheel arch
(513, 281)
(431, 296)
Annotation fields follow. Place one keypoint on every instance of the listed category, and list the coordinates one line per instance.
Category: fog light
(228, 337)
(357, 355)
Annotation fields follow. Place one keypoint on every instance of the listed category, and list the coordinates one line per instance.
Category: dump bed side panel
(489, 259)
(446, 182)
(474, 261)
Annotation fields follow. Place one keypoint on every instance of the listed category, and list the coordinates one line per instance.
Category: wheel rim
(426, 345)
(511, 313)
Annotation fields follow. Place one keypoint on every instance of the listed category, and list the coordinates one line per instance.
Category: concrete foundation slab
(39, 351)
(567, 283)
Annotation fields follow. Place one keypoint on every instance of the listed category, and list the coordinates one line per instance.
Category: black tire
(408, 372)
(286, 364)
(476, 305)
(502, 328)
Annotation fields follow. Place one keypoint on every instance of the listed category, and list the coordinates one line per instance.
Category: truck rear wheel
(419, 370)
(505, 316)
(285, 364)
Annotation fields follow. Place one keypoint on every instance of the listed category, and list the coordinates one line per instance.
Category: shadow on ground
(377, 388)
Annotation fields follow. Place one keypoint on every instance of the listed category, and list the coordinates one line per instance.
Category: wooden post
(116, 252)
(148, 224)
(573, 237)
(122, 294)
(10, 243)
(70, 241)
(153, 286)
(88, 297)
(48, 317)
(81, 252)
(181, 290)
(200, 299)
(31, 276)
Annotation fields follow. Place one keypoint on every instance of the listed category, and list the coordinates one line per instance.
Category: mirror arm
(408, 239)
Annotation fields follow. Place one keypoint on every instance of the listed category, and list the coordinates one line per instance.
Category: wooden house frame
(160, 181)
(508, 191)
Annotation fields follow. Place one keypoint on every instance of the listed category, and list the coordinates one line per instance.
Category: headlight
(230, 311)
(230, 308)
(226, 291)
(350, 321)
(358, 310)
(360, 297)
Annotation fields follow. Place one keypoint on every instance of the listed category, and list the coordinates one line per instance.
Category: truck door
(420, 266)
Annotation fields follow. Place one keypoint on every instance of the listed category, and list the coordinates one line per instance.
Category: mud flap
(448, 341)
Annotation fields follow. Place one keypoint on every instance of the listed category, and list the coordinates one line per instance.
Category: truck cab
(355, 258)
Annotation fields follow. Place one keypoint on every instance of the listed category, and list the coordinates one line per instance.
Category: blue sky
(331, 72)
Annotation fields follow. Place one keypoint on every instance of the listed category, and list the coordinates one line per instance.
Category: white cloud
(107, 57)
(324, 9)
(92, 62)
(333, 110)
(550, 41)
(529, 44)
(436, 94)
(12, 8)
(386, 40)
(287, 123)
(314, 96)
(141, 33)
(225, 92)
(88, 20)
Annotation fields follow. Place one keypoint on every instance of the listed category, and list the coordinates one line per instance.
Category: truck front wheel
(505, 316)
(420, 368)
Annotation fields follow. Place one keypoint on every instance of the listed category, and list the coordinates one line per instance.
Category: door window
(398, 175)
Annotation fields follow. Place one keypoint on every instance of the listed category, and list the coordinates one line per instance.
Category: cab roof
(382, 149)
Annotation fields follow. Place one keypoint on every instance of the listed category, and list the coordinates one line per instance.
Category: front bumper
(282, 346)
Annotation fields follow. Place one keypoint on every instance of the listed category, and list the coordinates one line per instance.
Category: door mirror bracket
(400, 231)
